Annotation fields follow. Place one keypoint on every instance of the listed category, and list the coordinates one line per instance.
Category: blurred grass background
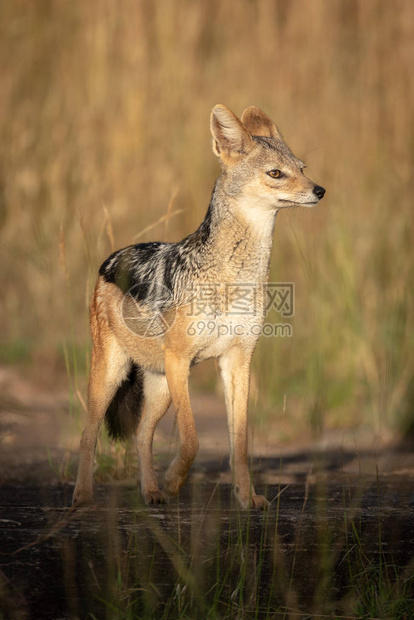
(104, 120)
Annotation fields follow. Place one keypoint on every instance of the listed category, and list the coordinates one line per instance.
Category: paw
(259, 502)
(154, 497)
(82, 497)
(173, 483)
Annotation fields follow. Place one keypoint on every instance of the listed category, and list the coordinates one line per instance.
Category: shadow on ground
(327, 540)
(337, 542)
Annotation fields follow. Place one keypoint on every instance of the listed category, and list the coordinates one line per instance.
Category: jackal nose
(319, 191)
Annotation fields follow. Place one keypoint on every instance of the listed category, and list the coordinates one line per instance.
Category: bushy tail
(124, 412)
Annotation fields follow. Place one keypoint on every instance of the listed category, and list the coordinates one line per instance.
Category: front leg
(177, 370)
(235, 372)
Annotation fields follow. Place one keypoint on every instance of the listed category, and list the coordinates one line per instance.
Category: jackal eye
(275, 174)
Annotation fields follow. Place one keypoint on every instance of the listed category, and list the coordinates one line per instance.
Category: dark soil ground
(337, 515)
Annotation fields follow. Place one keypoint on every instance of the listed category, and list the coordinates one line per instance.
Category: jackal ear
(258, 123)
(230, 137)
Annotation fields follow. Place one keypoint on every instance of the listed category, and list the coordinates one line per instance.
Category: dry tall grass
(104, 113)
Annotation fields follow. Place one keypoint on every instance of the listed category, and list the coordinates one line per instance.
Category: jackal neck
(230, 243)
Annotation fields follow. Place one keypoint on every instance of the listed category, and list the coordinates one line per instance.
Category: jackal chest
(219, 316)
(212, 335)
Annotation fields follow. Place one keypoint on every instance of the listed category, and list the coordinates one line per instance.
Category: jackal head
(259, 169)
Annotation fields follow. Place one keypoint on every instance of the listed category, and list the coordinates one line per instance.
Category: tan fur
(258, 123)
(246, 200)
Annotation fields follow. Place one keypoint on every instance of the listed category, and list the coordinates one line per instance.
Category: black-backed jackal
(142, 310)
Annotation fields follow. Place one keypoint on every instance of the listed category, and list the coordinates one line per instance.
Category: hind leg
(157, 400)
(108, 370)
